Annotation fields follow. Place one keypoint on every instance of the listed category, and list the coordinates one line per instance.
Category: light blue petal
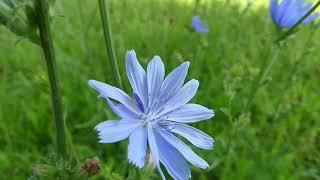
(106, 91)
(291, 16)
(311, 18)
(305, 8)
(173, 83)
(297, 11)
(138, 146)
(137, 77)
(189, 113)
(121, 111)
(195, 136)
(290, 11)
(284, 8)
(154, 149)
(172, 159)
(155, 76)
(113, 131)
(185, 150)
(195, 20)
(185, 94)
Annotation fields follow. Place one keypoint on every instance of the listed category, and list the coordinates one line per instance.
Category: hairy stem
(269, 66)
(49, 55)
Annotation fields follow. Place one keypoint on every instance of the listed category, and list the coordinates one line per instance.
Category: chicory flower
(288, 13)
(198, 25)
(158, 110)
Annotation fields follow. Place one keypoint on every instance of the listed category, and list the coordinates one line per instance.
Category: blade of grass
(106, 26)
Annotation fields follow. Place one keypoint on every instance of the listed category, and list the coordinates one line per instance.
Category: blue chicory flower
(158, 109)
(288, 13)
(198, 25)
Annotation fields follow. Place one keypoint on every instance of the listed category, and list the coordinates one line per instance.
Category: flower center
(146, 115)
(148, 118)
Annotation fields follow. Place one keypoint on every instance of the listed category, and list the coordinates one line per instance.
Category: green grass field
(276, 136)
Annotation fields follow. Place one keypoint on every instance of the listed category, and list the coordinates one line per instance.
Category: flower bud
(91, 167)
(19, 17)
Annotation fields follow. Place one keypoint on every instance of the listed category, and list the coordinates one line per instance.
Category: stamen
(139, 102)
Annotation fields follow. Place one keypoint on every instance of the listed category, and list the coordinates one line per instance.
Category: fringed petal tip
(212, 113)
(94, 84)
(206, 166)
(140, 166)
(100, 140)
(131, 51)
(130, 54)
(210, 144)
(157, 57)
(186, 63)
(98, 127)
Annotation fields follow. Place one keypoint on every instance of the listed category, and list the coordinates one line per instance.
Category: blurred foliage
(277, 137)
(19, 17)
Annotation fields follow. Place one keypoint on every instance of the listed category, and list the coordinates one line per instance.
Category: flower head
(288, 13)
(198, 25)
(158, 110)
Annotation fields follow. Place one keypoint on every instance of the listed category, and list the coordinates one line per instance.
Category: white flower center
(148, 118)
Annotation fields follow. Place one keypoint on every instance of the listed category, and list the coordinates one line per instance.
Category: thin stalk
(293, 72)
(196, 6)
(106, 26)
(271, 63)
(305, 51)
(49, 55)
(291, 30)
(258, 82)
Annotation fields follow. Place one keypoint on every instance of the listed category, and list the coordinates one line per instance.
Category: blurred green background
(277, 137)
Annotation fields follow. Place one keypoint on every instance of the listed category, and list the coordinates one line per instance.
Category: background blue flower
(288, 13)
(198, 25)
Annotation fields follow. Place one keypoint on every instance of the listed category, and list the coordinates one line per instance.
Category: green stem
(258, 82)
(293, 72)
(291, 30)
(196, 6)
(49, 54)
(105, 20)
(271, 63)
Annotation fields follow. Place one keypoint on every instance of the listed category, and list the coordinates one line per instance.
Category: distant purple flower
(159, 109)
(198, 25)
(288, 13)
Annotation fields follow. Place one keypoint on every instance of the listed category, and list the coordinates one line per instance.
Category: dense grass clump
(267, 130)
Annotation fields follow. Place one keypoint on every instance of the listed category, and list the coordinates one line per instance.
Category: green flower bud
(18, 16)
